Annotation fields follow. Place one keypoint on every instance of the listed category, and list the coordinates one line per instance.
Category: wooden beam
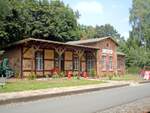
(21, 58)
(59, 51)
(24, 51)
(34, 48)
(80, 53)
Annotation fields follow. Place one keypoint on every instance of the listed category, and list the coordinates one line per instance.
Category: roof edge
(46, 41)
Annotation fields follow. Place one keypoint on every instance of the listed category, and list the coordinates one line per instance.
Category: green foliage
(110, 76)
(31, 76)
(55, 75)
(75, 75)
(87, 32)
(62, 74)
(137, 47)
(17, 74)
(51, 20)
(133, 70)
(93, 73)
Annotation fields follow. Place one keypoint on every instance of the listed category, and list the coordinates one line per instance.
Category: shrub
(61, 74)
(32, 76)
(133, 70)
(17, 74)
(75, 75)
(55, 75)
(47, 75)
(92, 73)
(110, 76)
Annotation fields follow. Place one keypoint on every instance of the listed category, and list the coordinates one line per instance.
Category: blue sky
(100, 12)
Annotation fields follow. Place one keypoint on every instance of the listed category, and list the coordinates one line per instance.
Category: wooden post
(34, 49)
(21, 58)
(59, 51)
(95, 57)
(80, 54)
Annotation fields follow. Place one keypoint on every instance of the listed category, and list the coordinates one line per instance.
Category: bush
(133, 70)
(47, 75)
(61, 74)
(17, 74)
(75, 75)
(55, 75)
(110, 76)
(92, 73)
(32, 76)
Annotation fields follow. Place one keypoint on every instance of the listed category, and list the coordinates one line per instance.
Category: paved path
(82, 103)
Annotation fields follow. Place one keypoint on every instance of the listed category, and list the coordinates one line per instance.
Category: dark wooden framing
(44, 47)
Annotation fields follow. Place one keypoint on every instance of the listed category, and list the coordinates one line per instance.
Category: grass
(22, 85)
(127, 77)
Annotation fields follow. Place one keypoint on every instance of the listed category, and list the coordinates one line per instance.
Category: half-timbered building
(42, 56)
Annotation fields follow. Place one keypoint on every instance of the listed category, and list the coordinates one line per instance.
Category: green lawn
(21, 85)
(127, 77)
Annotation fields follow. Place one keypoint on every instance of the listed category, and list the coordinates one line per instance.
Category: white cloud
(89, 7)
(90, 11)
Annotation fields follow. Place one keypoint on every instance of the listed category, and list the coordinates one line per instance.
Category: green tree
(87, 32)
(4, 11)
(51, 20)
(139, 19)
(137, 47)
(106, 30)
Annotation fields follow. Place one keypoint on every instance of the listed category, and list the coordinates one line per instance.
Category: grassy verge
(127, 77)
(22, 85)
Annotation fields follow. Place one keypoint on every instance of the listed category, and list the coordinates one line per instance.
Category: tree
(87, 32)
(137, 47)
(106, 30)
(99, 32)
(5, 10)
(51, 20)
(139, 19)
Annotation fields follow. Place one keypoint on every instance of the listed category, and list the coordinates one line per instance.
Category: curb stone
(44, 96)
(145, 81)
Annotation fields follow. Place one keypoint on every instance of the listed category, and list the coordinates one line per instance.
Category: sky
(100, 12)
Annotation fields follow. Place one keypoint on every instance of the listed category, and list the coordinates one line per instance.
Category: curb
(44, 96)
(143, 82)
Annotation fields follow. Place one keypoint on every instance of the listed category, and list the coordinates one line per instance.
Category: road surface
(82, 103)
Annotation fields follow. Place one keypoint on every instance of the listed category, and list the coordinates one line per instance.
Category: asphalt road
(82, 103)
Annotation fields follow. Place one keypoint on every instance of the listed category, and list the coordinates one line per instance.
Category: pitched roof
(80, 42)
(46, 41)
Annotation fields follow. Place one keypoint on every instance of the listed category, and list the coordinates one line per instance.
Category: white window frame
(103, 62)
(39, 61)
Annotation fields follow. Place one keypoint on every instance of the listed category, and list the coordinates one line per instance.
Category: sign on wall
(107, 51)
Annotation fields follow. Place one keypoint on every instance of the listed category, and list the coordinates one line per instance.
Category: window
(76, 63)
(59, 60)
(103, 62)
(110, 62)
(39, 60)
(90, 63)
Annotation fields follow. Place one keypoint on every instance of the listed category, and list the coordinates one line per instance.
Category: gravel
(139, 106)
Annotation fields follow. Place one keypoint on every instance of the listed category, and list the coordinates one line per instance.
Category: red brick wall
(105, 44)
